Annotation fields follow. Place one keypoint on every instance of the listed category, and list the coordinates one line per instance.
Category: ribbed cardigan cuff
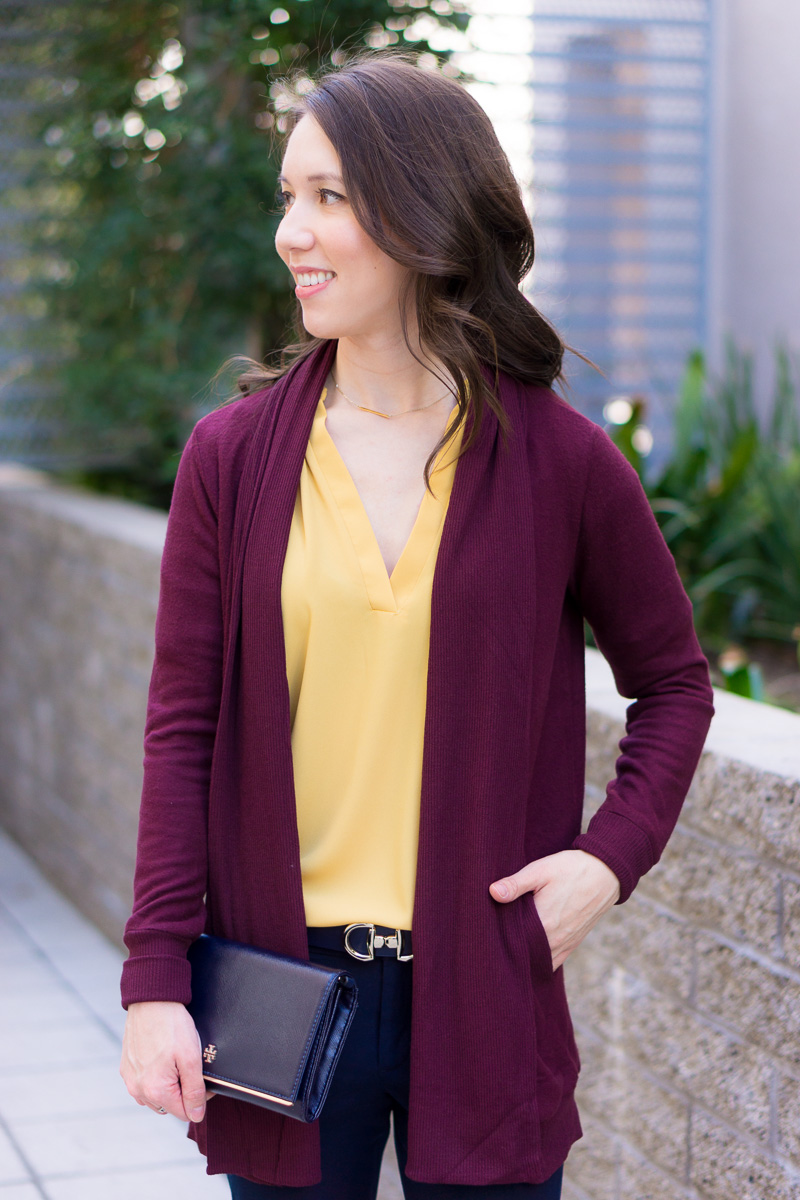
(621, 845)
(159, 970)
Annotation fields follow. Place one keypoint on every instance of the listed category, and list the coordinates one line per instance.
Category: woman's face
(354, 287)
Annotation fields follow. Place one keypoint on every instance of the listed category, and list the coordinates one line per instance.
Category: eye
(282, 200)
(328, 197)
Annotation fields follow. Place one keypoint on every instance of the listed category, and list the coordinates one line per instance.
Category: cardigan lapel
(252, 818)
(260, 757)
(277, 441)
(472, 976)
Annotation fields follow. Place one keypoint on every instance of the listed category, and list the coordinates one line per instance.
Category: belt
(363, 940)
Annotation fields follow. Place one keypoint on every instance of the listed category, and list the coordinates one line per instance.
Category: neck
(384, 375)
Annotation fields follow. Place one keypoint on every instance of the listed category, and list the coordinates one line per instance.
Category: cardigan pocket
(536, 938)
(557, 1061)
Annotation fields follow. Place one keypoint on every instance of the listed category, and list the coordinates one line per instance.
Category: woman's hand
(162, 1059)
(572, 890)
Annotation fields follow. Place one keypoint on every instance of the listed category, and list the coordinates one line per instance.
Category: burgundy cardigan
(553, 528)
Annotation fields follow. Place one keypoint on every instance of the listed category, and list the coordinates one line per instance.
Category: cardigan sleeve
(630, 592)
(182, 714)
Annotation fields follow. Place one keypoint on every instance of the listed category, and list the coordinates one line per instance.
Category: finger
(167, 1093)
(161, 1104)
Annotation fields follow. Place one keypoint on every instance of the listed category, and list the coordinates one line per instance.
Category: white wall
(755, 234)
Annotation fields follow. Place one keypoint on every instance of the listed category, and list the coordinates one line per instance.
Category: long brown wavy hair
(429, 182)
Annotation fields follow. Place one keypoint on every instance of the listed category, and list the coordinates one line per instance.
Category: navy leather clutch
(272, 1028)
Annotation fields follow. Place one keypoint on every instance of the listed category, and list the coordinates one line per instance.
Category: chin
(320, 326)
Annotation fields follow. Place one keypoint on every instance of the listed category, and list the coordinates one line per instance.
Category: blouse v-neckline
(386, 593)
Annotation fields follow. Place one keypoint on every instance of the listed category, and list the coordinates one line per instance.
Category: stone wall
(78, 594)
(686, 1000)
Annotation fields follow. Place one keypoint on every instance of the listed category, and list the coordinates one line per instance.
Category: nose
(294, 232)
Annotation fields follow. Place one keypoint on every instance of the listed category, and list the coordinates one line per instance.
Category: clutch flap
(257, 1015)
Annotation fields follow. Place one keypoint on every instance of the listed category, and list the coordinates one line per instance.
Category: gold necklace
(388, 416)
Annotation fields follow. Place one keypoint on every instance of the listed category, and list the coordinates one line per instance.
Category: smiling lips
(309, 282)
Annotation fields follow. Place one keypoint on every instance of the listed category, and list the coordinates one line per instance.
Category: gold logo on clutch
(210, 1053)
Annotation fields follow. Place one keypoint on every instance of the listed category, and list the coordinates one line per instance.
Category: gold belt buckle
(375, 941)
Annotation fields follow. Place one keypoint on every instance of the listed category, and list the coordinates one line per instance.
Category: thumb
(193, 1086)
(512, 886)
(193, 1094)
(504, 889)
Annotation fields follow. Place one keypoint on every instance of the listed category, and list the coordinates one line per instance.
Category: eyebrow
(316, 178)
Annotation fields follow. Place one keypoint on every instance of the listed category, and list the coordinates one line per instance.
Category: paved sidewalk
(68, 1128)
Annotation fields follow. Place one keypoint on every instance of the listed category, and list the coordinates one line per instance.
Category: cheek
(383, 273)
(390, 277)
(355, 247)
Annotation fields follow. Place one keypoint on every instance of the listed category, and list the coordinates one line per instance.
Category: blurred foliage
(158, 199)
(728, 503)
(739, 675)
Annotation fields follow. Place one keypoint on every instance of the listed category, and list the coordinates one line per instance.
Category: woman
(367, 704)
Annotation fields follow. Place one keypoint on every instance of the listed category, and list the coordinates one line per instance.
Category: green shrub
(728, 501)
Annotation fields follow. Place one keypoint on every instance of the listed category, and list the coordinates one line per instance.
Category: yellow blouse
(357, 662)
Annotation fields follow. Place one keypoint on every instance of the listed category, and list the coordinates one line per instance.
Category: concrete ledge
(762, 735)
(133, 524)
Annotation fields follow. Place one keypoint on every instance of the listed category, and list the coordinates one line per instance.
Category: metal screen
(621, 160)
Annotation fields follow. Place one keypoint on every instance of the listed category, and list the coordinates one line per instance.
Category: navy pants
(369, 1087)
